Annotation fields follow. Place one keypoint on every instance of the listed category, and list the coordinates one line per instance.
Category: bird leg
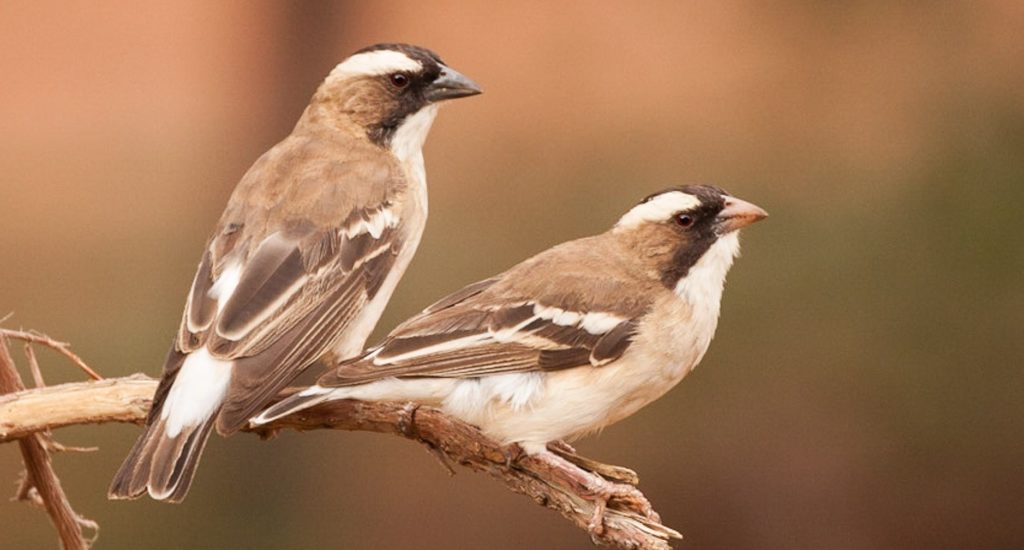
(600, 491)
(607, 471)
(407, 426)
(513, 454)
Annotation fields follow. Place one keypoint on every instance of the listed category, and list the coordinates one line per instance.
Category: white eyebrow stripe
(375, 63)
(660, 208)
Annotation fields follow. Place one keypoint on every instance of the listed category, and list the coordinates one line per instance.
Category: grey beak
(738, 214)
(451, 85)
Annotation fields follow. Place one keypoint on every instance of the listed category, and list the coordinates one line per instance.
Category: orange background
(865, 387)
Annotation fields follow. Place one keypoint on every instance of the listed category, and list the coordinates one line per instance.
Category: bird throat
(703, 281)
(407, 140)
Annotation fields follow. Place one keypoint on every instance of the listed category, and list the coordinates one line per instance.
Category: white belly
(571, 403)
(535, 408)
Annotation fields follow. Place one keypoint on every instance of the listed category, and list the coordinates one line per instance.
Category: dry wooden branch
(40, 484)
(62, 348)
(110, 400)
(127, 400)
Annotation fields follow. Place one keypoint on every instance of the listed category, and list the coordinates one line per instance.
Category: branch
(109, 400)
(128, 400)
(40, 483)
(63, 348)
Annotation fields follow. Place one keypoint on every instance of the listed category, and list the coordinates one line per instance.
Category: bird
(567, 342)
(302, 262)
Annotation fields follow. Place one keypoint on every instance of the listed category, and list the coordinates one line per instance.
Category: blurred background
(865, 389)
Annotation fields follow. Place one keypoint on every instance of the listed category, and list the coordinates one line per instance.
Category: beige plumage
(303, 260)
(569, 341)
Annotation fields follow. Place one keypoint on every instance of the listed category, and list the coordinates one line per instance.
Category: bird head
(391, 92)
(688, 229)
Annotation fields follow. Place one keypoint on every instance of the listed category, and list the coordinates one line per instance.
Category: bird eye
(684, 220)
(399, 80)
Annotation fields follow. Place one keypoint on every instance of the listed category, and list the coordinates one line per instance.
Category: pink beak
(738, 214)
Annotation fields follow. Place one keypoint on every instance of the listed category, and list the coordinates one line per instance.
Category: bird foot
(601, 492)
(513, 454)
(608, 471)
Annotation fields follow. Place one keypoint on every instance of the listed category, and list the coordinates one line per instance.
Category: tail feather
(305, 399)
(162, 465)
(238, 409)
(130, 481)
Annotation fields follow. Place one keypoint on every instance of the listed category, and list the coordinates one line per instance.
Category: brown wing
(544, 314)
(304, 266)
(296, 329)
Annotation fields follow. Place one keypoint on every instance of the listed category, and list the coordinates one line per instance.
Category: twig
(51, 445)
(59, 347)
(33, 366)
(40, 483)
(127, 400)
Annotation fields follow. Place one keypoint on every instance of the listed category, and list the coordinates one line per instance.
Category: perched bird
(301, 264)
(574, 339)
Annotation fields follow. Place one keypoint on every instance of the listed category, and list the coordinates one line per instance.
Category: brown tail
(160, 464)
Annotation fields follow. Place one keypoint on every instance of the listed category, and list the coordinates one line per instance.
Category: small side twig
(33, 366)
(40, 484)
(62, 348)
(51, 445)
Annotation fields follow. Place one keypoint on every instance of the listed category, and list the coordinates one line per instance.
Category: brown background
(865, 389)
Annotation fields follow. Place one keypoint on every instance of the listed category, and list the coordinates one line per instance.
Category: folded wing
(498, 326)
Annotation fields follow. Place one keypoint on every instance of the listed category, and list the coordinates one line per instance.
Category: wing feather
(477, 332)
(297, 291)
(259, 377)
(274, 273)
(201, 308)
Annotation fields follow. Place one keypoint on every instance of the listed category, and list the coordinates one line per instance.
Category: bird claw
(562, 447)
(604, 493)
(513, 454)
(608, 471)
(596, 524)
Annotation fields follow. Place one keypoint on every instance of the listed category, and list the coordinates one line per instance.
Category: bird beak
(738, 214)
(451, 85)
